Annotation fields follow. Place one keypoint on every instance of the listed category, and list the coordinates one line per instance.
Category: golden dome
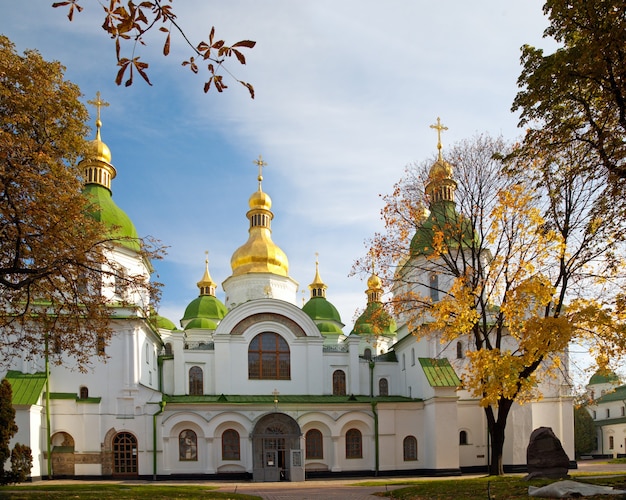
(206, 284)
(440, 170)
(260, 200)
(374, 282)
(259, 254)
(98, 150)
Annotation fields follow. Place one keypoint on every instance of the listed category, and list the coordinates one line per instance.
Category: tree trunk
(496, 434)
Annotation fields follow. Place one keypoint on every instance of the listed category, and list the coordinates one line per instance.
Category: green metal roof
(74, 396)
(456, 229)
(26, 387)
(619, 394)
(105, 210)
(201, 323)
(162, 322)
(205, 306)
(375, 320)
(284, 399)
(607, 377)
(320, 309)
(328, 327)
(439, 372)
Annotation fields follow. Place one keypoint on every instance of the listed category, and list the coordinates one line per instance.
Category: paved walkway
(349, 488)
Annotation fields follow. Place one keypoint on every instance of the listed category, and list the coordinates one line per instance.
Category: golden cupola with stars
(259, 263)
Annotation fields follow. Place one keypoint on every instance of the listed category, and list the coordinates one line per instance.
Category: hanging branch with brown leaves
(130, 22)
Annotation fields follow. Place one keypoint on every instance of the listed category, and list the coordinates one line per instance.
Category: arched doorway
(276, 449)
(125, 454)
(62, 454)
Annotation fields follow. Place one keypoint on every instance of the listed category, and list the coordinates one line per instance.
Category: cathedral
(258, 386)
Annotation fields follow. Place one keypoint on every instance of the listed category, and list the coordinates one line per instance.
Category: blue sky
(346, 91)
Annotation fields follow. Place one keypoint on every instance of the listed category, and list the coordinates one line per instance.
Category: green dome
(442, 218)
(603, 378)
(202, 323)
(375, 320)
(205, 306)
(328, 327)
(319, 309)
(162, 322)
(106, 211)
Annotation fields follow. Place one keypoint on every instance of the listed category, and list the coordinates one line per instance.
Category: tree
(54, 256)
(577, 95)
(21, 456)
(584, 431)
(517, 262)
(8, 428)
(129, 24)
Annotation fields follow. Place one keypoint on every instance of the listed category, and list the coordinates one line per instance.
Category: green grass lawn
(115, 491)
(483, 488)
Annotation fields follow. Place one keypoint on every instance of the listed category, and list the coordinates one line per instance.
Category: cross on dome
(439, 127)
(260, 163)
(98, 103)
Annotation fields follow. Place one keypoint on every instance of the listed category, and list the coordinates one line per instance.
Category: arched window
(314, 444)
(459, 350)
(84, 392)
(611, 442)
(354, 444)
(409, 447)
(463, 438)
(196, 384)
(383, 387)
(168, 349)
(339, 383)
(187, 446)
(269, 358)
(367, 353)
(412, 356)
(230, 445)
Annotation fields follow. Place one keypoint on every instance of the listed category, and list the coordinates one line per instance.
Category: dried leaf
(120, 74)
(249, 87)
(240, 57)
(166, 47)
(245, 43)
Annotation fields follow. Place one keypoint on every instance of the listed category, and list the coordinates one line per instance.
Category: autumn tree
(20, 455)
(8, 428)
(128, 23)
(55, 255)
(576, 96)
(517, 262)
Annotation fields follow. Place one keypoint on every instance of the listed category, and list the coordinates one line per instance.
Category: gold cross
(260, 163)
(98, 103)
(439, 127)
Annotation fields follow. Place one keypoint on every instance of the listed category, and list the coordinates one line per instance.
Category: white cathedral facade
(260, 387)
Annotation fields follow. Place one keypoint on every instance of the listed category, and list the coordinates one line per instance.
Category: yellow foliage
(456, 313)
(495, 375)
